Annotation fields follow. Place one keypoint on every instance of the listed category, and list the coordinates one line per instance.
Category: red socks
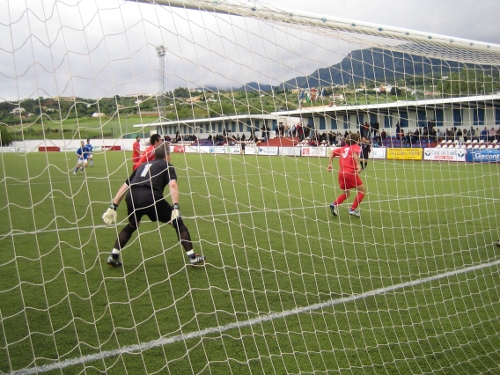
(357, 200)
(340, 199)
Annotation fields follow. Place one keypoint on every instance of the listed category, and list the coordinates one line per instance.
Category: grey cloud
(94, 49)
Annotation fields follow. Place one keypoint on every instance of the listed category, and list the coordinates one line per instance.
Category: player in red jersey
(136, 150)
(348, 173)
(149, 153)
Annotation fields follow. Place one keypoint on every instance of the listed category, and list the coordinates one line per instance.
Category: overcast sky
(101, 48)
(469, 19)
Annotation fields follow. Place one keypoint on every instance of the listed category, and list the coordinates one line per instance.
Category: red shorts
(349, 180)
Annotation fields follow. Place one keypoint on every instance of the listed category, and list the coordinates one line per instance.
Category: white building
(18, 111)
(463, 112)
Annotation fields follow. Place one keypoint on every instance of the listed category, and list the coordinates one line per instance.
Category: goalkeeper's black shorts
(142, 202)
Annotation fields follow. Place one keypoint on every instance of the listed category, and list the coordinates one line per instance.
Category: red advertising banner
(112, 148)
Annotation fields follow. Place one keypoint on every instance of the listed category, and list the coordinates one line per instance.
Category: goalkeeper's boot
(334, 210)
(114, 260)
(197, 260)
(354, 212)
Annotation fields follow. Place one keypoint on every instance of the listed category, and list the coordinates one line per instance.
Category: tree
(467, 81)
(5, 137)
(395, 91)
(181, 92)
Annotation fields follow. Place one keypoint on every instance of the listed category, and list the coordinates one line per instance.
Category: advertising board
(313, 151)
(233, 149)
(267, 150)
(377, 153)
(487, 155)
(289, 151)
(7, 149)
(217, 149)
(404, 153)
(444, 154)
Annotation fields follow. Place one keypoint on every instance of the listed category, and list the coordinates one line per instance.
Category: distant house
(18, 111)
(47, 109)
(65, 98)
(98, 114)
(193, 99)
(338, 97)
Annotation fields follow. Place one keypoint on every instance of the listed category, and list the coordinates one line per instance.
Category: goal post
(252, 99)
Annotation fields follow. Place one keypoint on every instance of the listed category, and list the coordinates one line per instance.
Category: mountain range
(372, 64)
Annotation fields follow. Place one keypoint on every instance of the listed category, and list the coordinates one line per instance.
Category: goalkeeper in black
(143, 193)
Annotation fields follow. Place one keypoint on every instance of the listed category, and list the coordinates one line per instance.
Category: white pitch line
(266, 318)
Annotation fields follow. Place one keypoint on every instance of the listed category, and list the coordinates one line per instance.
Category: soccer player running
(136, 150)
(348, 173)
(89, 152)
(143, 192)
(149, 153)
(82, 157)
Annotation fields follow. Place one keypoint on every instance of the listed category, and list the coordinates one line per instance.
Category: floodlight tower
(160, 50)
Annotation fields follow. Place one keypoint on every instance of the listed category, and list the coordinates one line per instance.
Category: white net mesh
(411, 286)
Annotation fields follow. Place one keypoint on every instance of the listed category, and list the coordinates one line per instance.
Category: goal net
(252, 99)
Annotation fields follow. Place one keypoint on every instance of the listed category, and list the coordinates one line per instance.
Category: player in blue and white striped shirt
(89, 152)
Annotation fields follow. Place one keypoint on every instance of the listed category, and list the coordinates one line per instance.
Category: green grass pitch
(410, 287)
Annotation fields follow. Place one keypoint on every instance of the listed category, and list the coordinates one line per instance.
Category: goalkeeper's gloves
(176, 214)
(109, 217)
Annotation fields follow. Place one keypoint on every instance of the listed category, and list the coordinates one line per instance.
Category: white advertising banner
(330, 149)
(251, 150)
(7, 149)
(233, 149)
(268, 150)
(289, 151)
(378, 153)
(99, 145)
(217, 149)
(445, 154)
(314, 151)
(204, 149)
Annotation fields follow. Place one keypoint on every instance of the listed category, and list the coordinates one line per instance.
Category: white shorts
(80, 161)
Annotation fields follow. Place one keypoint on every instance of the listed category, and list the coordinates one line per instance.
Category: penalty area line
(270, 317)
